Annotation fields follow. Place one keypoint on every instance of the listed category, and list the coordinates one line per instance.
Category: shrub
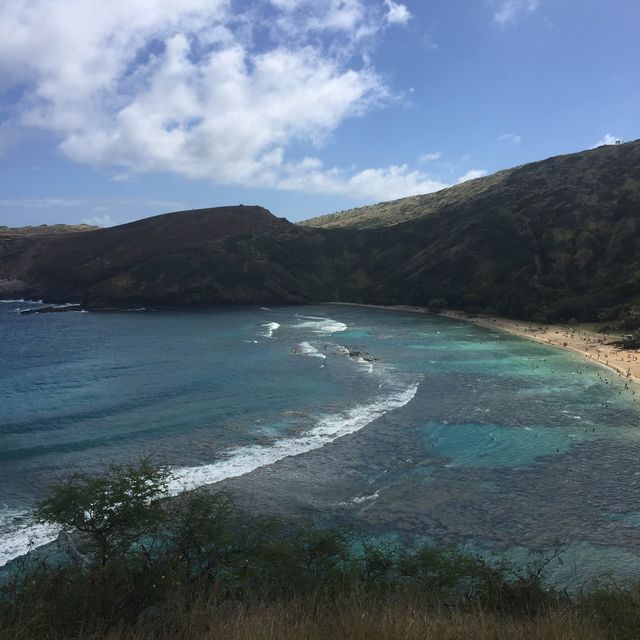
(436, 305)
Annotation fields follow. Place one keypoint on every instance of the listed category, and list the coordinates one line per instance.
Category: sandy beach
(589, 344)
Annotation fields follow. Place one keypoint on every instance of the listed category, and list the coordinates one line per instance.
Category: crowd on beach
(598, 347)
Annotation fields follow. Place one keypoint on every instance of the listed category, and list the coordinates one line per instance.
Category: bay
(408, 426)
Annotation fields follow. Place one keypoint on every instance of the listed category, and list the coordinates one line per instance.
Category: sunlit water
(439, 430)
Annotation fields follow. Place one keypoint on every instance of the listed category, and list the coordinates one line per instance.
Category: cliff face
(558, 238)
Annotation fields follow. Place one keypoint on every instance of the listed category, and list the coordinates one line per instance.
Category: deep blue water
(451, 433)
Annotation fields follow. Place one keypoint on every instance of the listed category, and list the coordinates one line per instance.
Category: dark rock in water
(52, 309)
(360, 353)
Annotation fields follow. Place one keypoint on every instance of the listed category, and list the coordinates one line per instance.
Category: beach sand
(589, 344)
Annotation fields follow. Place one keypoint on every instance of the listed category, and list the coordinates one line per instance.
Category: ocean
(406, 426)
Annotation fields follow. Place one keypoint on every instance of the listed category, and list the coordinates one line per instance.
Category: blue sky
(115, 111)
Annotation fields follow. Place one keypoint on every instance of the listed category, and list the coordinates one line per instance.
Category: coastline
(589, 344)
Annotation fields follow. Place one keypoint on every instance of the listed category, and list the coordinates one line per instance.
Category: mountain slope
(542, 177)
(185, 258)
(558, 239)
(405, 209)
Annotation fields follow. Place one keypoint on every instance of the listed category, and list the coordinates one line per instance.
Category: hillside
(46, 229)
(183, 258)
(405, 209)
(556, 239)
(546, 175)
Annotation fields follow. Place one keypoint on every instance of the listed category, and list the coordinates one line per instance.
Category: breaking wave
(322, 326)
(18, 534)
(328, 428)
(268, 329)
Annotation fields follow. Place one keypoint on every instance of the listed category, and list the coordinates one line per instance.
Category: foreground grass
(355, 619)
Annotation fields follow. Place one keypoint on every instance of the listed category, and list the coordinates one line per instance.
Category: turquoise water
(437, 429)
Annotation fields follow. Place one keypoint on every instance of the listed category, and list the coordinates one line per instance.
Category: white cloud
(429, 157)
(510, 137)
(182, 86)
(100, 221)
(397, 13)
(607, 139)
(228, 119)
(472, 175)
(95, 203)
(510, 11)
(350, 20)
(386, 183)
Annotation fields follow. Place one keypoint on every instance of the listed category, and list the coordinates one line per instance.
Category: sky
(114, 111)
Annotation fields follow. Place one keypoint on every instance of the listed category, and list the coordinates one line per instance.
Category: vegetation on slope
(139, 565)
(46, 229)
(551, 174)
(553, 240)
(385, 214)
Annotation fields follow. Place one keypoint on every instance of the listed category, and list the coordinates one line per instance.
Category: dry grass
(301, 621)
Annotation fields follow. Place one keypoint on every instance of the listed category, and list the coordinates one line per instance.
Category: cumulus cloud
(397, 13)
(188, 87)
(395, 181)
(472, 175)
(510, 11)
(514, 138)
(607, 139)
(225, 119)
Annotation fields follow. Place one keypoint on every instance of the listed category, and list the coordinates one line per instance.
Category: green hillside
(496, 185)
(396, 211)
(556, 239)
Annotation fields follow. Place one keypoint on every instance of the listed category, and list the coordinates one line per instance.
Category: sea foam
(363, 499)
(22, 301)
(322, 326)
(268, 329)
(305, 349)
(19, 534)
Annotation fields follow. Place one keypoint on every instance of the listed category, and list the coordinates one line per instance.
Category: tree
(109, 512)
